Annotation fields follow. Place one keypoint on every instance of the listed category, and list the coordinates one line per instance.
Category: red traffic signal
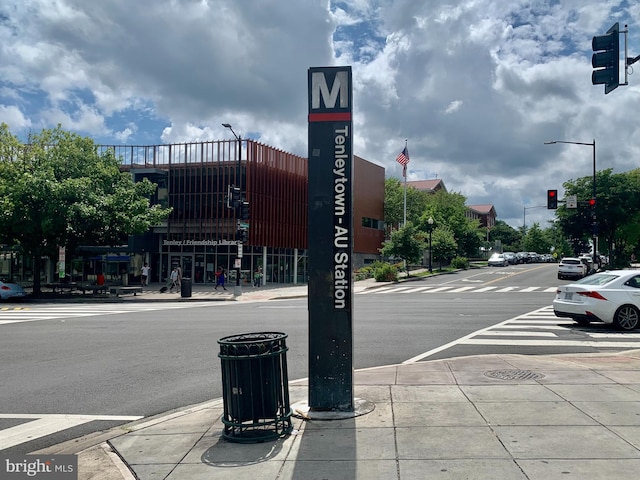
(552, 199)
(592, 202)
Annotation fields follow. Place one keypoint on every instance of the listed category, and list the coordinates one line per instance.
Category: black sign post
(330, 241)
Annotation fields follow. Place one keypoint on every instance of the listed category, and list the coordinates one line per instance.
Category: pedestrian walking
(257, 277)
(220, 278)
(144, 275)
(179, 268)
(174, 279)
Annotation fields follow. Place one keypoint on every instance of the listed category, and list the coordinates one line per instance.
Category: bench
(121, 290)
(61, 286)
(93, 288)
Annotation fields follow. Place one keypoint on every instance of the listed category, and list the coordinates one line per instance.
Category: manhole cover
(513, 374)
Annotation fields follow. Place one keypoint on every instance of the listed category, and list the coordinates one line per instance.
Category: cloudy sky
(475, 86)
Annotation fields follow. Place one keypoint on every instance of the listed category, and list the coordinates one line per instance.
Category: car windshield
(598, 279)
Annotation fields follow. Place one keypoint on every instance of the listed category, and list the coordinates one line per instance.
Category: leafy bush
(385, 273)
(364, 273)
(460, 262)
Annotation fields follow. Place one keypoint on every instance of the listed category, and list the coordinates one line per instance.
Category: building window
(372, 223)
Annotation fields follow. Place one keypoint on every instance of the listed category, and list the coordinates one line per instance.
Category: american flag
(403, 159)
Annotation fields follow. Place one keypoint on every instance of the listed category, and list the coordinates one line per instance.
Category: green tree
(443, 244)
(617, 213)
(394, 203)
(449, 209)
(510, 238)
(536, 240)
(406, 244)
(57, 190)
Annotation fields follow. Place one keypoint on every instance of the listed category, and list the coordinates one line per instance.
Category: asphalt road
(158, 357)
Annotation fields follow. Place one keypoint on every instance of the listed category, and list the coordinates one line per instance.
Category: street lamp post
(430, 222)
(237, 291)
(524, 216)
(593, 195)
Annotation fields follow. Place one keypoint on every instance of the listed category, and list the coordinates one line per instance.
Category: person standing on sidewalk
(144, 275)
(220, 278)
(257, 277)
(174, 280)
(179, 270)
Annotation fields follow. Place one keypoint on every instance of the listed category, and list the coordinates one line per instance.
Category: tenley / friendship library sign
(330, 242)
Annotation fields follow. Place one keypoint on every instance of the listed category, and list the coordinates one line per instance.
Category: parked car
(523, 257)
(571, 267)
(588, 261)
(498, 260)
(611, 297)
(511, 257)
(11, 290)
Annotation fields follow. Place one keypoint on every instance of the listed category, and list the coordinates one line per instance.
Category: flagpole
(404, 173)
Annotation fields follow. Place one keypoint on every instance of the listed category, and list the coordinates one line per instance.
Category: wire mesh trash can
(255, 387)
(185, 287)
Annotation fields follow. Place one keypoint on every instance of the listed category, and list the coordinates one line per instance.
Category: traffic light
(552, 199)
(606, 59)
(592, 203)
(242, 235)
(233, 197)
(244, 211)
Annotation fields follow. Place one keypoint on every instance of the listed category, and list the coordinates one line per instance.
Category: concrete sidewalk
(488, 417)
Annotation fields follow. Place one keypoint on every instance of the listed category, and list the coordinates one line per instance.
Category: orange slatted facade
(201, 233)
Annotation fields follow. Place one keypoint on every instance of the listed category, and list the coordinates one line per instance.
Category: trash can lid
(252, 337)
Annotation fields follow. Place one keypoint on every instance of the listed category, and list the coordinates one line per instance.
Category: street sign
(572, 201)
(239, 251)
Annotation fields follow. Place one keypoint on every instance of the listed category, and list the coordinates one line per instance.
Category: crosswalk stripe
(380, 290)
(83, 311)
(455, 289)
(526, 322)
(438, 289)
(547, 343)
(461, 289)
(484, 289)
(498, 333)
(43, 425)
(416, 290)
(542, 326)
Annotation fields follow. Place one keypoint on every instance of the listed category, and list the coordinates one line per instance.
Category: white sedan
(498, 260)
(610, 297)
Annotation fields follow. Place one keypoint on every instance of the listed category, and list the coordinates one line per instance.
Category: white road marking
(545, 343)
(484, 289)
(499, 333)
(438, 289)
(79, 311)
(43, 425)
(524, 326)
(460, 289)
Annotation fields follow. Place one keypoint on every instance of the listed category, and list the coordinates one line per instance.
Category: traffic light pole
(237, 291)
(594, 224)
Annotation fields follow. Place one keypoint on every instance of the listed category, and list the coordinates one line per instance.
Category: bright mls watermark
(38, 467)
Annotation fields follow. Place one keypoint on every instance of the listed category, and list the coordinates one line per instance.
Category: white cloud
(453, 106)
(12, 116)
(475, 86)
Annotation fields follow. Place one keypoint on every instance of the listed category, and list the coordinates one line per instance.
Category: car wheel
(626, 317)
(559, 277)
